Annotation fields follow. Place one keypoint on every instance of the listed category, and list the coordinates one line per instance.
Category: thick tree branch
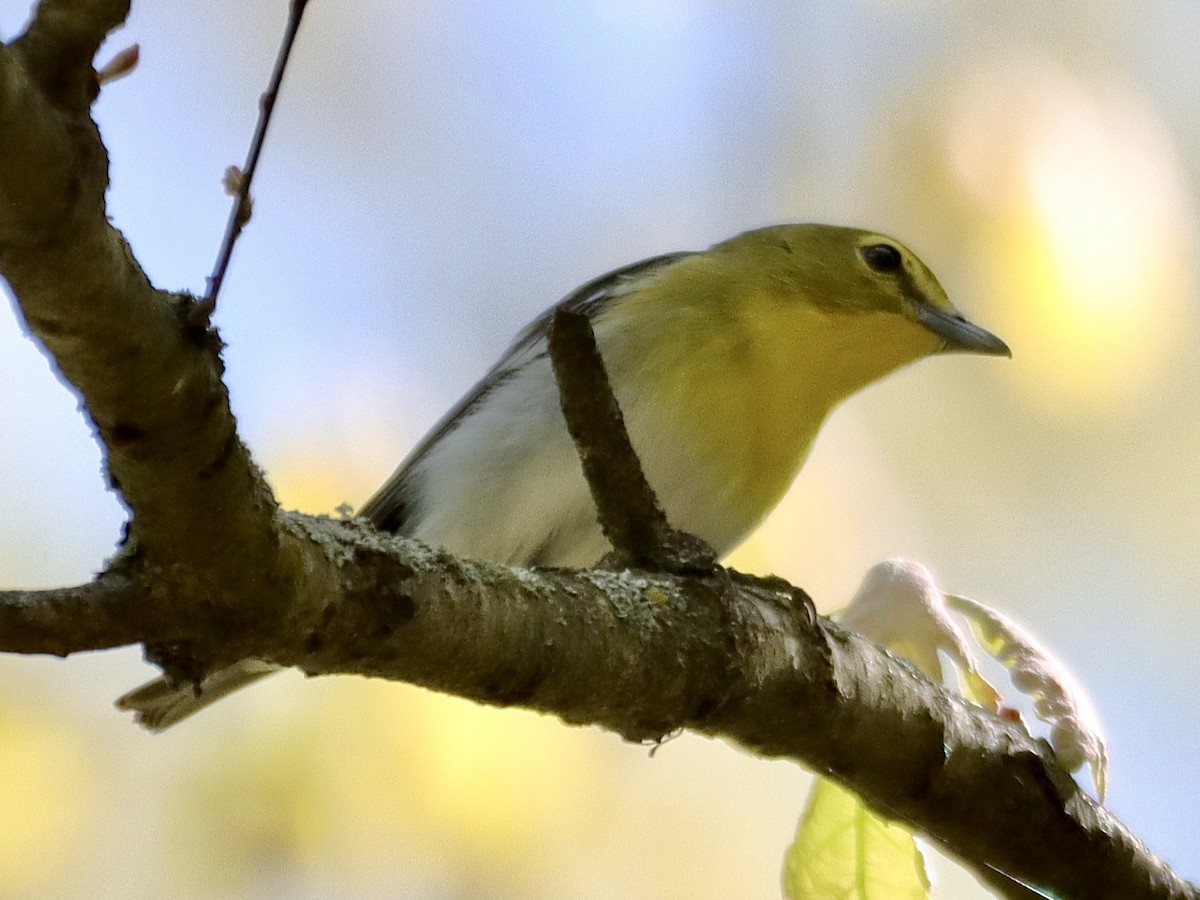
(151, 386)
(213, 572)
(644, 655)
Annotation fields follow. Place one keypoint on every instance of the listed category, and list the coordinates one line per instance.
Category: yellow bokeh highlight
(371, 766)
(1085, 238)
(44, 782)
(500, 776)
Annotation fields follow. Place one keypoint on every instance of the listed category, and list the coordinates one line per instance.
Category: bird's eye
(882, 257)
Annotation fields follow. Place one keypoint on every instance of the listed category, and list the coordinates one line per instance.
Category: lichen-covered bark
(151, 387)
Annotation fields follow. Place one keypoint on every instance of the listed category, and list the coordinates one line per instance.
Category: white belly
(507, 484)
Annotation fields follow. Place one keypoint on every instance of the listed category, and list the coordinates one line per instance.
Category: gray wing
(392, 506)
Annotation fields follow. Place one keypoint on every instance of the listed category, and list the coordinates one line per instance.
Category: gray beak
(958, 335)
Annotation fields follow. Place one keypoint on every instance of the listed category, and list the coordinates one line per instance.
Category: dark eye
(882, 257)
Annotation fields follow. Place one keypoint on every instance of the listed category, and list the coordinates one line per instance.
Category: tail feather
(157, 705)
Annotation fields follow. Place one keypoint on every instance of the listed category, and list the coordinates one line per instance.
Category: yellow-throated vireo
(725, 362)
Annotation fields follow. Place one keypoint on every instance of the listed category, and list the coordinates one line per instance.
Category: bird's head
(738, 353)
(849, 274)
(839, 307)
(797, 316)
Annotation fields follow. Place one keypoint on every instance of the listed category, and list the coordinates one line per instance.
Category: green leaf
(843, 851)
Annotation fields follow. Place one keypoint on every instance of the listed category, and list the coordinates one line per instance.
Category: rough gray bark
(212, 571)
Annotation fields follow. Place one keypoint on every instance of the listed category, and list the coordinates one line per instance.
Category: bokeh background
(439, 173)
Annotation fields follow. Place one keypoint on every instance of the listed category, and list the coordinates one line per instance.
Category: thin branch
(630, 515)
(239, 215)
(111, 611)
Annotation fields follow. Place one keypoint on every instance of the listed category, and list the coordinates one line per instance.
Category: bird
(725, 363)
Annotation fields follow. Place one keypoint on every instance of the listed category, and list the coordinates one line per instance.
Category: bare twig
(62, 621)
(239, 215)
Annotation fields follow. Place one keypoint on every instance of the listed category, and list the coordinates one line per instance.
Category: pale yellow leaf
(843, 851)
